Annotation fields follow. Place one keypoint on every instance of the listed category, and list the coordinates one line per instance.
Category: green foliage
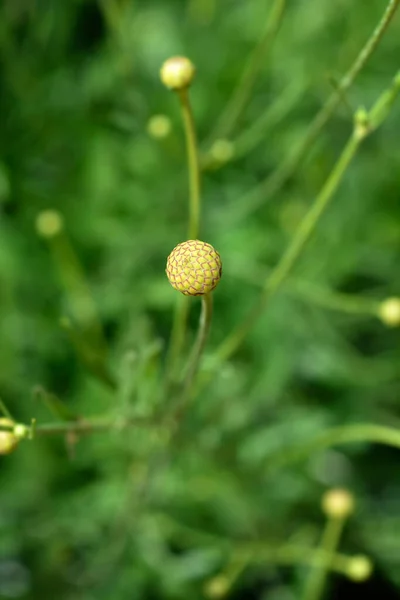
(131, 511)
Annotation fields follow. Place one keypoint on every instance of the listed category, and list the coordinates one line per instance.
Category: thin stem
(243, 90)
(294, 250)
(88, 426)
(324, 297)
(255, 133)
(338, 301)
(315, 583)
(193, 164)
(347, 434)
(182, 308)
(194, 361)
(5, 411)
(364, 124)
(181, 313)
(273, 183)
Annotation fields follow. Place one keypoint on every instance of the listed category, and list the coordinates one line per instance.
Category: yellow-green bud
(194, 268)
(177, 72)
(159, 126)
(359, 568)
(338, 503)
(389, 312)
(222, 151)
(21, 431)
(217, 587)
(8, 440)
(49, 223)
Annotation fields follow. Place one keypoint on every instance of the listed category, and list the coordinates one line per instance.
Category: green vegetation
(280, 476)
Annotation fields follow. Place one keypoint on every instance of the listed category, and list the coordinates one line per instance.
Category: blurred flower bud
(49, 223)
(217, 587)
(177, 72)
(159, 126)
(359, 568)
(389, 312)
(222, 151)
(21, 431)
(8, 440)
(338, 503)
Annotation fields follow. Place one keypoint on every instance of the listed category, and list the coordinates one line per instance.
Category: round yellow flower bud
(49, 223)
(217, 587)
(194, 268)
(8, 441)
(389, 312)
(159, 126)
(338, 503)
(177, 72)
(359, 568)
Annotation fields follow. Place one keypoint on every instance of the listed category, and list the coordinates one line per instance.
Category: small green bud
(159, 126)
(49, 223)
(217, 587)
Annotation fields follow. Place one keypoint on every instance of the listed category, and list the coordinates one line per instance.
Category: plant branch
(273, 183)
(347, 434)
(242, 92)
(315, 583)
(182, 308)
(364, 124)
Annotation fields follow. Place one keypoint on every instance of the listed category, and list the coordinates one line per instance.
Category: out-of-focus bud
(359, 568)
(389, 312)
(177, 72)
(8, 439)
(217, 587)
(49, 223)
(159, 126)
(338, 503)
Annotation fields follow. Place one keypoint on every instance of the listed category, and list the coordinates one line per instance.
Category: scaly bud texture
(194, 268)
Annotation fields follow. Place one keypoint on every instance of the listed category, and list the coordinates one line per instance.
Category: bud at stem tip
(194, 268)
(177, 73)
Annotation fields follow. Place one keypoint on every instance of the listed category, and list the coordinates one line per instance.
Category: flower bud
(194, 268)
(49, 223)
(159, 126)
(338, 503)
(389, 312)
(217, 587)
(359, 568)
(177, 72)
(8, 440)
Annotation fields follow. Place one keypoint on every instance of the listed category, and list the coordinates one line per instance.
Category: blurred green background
(79, 86)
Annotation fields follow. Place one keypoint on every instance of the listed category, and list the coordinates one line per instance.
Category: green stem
(315, 583)
(5, 411)
(193, 164)
(87, 426)
(182, 308)
(242, 92)
(194, 361)
(364, 124)
(324, 297)
(268, 188)
(294, 250)
(347, 434)
(346, 303)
